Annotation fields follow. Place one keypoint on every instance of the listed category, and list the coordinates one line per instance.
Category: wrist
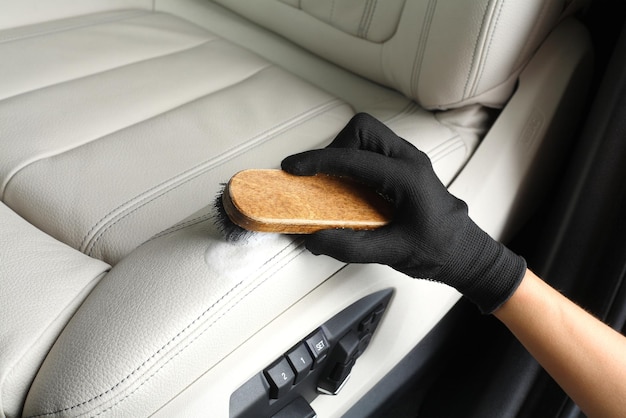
(482, 269)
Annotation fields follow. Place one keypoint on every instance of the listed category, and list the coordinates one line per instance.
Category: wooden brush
(276, 201)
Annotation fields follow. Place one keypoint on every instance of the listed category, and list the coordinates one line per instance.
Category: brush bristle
(231, 231)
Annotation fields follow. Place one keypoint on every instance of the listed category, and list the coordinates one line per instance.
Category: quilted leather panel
(29, 12)
(139, 126)
(370, 19)
(70, 49)
(439, 64)
(448, 137)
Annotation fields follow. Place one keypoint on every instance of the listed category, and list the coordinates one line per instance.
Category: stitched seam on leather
(107, 70)
(11, 175)
(181, 225)
(4, 186)
(84, 242)
(445, 148)
(222, 158)
(485, 55)
(408, 109)
(112, 218)
(477, 52)
(131, 14)
(193, 340)
(114, 387)
(366, 23)
(80, 294)
(360, 30)
(441, 149)
(292, 247)
(421, 46)
(369, 24)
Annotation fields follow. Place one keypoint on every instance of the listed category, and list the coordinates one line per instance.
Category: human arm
(585, 357)
(432, 237)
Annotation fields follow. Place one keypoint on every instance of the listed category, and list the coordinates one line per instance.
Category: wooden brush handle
(276, 201)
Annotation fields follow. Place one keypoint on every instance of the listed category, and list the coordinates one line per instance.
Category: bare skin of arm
(584, 356)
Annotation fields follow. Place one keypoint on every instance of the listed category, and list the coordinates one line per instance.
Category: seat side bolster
(42, 283)
(168, 313)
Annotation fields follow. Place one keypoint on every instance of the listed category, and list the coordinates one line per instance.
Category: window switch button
(301, 362)
(280, 377)
(318, 346)
(299, 408)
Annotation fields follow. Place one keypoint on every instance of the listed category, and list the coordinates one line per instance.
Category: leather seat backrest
(443, 54)
(364, 19)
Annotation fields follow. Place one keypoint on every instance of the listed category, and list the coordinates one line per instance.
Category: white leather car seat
(120, 120)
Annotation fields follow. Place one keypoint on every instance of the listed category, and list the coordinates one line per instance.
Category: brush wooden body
(276, 201)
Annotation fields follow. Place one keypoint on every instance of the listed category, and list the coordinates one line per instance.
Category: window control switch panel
(320, 363)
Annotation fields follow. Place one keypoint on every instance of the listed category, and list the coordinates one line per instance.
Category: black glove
(431, 235)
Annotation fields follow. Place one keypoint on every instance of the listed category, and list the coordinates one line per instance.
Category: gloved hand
(431, 236)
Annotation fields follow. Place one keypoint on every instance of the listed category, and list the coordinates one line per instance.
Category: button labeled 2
(280, 377)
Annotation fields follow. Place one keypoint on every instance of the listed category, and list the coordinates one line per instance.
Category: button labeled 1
(301, 361)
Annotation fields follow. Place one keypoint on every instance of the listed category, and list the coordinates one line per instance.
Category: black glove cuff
(482, 269)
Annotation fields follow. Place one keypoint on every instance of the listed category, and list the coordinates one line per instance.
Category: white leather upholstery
(28, 12)
(367, 20)
(180, 304)
(42, 283)
(118, 122)
(448, 137)
(156, 113)
(439, 64)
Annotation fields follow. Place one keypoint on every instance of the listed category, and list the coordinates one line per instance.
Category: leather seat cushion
(136, 120)
(118, 125)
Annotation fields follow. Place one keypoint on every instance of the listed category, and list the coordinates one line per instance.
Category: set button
(319, 347)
